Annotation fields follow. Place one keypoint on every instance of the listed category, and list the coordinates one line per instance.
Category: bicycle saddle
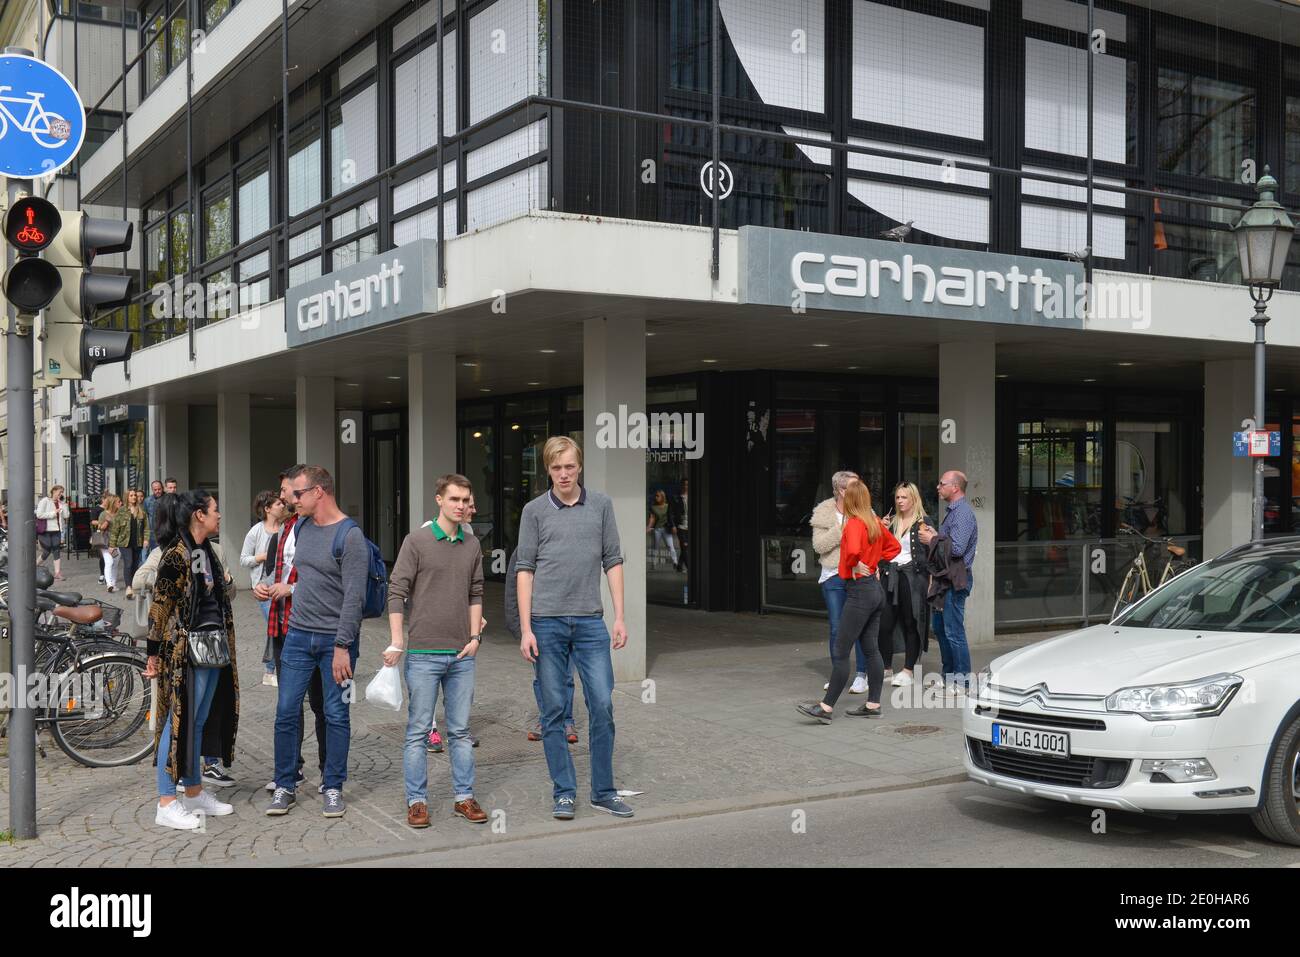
(43, 577)
(1178, 551)
(61, 597)
(80, 614)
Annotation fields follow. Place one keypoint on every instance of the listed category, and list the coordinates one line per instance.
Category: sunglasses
(299, 493)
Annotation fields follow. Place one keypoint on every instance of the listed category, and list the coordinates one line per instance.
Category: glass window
(254, 200)
(415, 96)
(1291, 182)
(1151, 487)
(304, 242)
(1249, 593)
(155, 58)
(254, 265)
(180, 241)
(304, 168)
(216, 223)
(918, 442)
(1205, 127)
(304, 271)
(180, 34)
(251, 140)
(220, 295)
(504, 75)
(155, 255)
(354, 138)
(214, 10)
(1059, 478)
(359, 249)
(477, 464)
(358, 217)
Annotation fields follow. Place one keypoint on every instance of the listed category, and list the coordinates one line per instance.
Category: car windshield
(1259, 593)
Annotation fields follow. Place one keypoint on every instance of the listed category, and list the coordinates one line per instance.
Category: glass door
(525, 427)
(385, 518)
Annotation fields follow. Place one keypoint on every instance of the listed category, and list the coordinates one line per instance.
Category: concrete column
(1229, 398)
(174, 430)
(154, 446)
(316, 421)
(613, 375)
(431, 430)
(967, 415)
(234, 478)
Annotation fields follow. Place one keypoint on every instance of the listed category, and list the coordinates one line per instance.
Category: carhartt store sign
(395, 285)
(797, 270)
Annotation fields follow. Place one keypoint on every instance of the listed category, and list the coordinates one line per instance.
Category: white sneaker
(859, 685)
(903, 679)
(268, 678)
(209, 805)
(889, 672)
(175, 816)
(826, 687)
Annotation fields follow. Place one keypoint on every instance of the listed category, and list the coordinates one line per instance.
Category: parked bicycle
(1137, 581)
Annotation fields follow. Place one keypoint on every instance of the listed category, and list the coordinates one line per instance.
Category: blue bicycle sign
(42, 120)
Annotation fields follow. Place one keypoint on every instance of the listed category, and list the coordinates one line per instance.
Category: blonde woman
(905, 585)
(51, 519)
(128, 534)
(110, 504)
(865, 543)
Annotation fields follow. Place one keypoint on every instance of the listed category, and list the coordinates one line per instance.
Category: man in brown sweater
(439, 574)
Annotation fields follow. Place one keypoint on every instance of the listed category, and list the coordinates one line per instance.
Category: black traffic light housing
(30, 226)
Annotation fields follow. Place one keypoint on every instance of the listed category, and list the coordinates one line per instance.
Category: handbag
(209, 648)
(41, 524)
(98, 539)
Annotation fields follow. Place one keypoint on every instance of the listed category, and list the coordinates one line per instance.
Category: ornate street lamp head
(1264, 235)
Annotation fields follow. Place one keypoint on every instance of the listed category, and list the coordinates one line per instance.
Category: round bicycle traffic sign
(42, 119)
(725, 181)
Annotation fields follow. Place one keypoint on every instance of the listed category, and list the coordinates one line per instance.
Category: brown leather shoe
(470, 811)
(417, 815)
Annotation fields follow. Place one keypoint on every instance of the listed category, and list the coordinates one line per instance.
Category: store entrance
(386, 498)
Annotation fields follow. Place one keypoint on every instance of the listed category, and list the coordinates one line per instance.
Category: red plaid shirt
(277, 622)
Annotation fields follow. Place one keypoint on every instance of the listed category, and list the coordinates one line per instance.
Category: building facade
(401, 238)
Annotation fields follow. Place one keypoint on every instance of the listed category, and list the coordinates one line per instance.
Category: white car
(1189, 701)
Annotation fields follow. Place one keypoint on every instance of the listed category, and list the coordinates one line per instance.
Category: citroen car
(1189, 701)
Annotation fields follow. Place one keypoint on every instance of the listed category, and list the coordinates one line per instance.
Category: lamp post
(1264, 235)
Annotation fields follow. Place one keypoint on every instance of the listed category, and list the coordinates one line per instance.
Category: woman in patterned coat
(189, 596)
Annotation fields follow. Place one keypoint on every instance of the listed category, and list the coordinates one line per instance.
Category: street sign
(42, 119)
(1256, 444)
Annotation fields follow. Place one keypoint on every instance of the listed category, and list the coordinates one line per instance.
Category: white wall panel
(763, 34)
(505, 62)
(953, 216)
(1066, 231)
(1056, 101)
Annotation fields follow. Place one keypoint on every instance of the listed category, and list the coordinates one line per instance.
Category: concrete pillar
(967, 415)
(431, 429)
(1229, 398)
(613, 375)
(234, 478)
(316, 421)
(174, 430)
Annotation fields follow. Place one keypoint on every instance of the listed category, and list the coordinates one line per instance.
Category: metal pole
(442, 269)
(1087, 259)
(1260, 320)
(193, 243)
(22, 563)
(283, 259)
(715, 181)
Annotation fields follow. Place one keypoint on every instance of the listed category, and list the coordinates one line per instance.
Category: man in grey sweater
(323, 636)
(566, 538)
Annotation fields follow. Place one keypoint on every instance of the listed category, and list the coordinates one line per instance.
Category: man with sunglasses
(323, 636)
(962, 532)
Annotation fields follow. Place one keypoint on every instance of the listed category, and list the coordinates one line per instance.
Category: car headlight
(1202, 698)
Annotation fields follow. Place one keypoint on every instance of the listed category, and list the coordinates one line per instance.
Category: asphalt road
(953, 825)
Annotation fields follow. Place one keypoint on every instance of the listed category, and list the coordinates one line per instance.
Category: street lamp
(1264, 235)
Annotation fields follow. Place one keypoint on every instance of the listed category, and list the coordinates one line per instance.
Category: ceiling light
(470, 365)
(649, 333)
(1089, 380)
(485, 390)
(1126, 364)
(1000, 375)
(395, 378)
(514, 427)
(854, 368)
(534, 383)
(821, 345)
(710, 361)
(547, 352)
(353, 384)
(478, 435)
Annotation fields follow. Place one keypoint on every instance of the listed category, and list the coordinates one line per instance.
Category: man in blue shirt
(962, 531)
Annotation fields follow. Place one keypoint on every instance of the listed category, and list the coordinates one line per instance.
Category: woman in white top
(270, 512)
(827, 525)
(53, 511)
(907, 611)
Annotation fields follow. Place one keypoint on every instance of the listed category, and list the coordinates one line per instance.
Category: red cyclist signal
(32, 224)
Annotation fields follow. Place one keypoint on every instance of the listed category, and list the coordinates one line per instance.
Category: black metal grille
(1043, 720)
(1079, 771)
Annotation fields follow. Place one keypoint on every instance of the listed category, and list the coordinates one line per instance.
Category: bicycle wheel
(1128, 592)
(116, 733)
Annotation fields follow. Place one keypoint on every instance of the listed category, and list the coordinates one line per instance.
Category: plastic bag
(385, 689)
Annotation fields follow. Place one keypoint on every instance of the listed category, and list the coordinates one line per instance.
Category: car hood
(1105, 658)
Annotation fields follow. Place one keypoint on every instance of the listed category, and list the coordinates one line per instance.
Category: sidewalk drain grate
(915, 729)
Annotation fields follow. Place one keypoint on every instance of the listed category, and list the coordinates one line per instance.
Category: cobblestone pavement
(715, 730)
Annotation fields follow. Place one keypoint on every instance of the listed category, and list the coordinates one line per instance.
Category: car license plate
(1055, 743)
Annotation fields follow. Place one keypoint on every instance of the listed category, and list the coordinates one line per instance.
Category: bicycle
(38, 122)
(1137, 580)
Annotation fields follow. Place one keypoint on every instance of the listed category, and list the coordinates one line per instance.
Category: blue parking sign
(42, 119)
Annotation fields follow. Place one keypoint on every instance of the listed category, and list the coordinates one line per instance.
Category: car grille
(1077, 771)
(1042, 720)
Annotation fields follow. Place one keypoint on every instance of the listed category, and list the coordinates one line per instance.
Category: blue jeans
(568, 704)
(950, 632)
(562, 643)
(424, 675)
(305, 653)
(203, 685)
(268, 658)
(835, 595)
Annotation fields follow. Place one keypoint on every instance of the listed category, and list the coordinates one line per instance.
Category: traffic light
(32, 283)
(63, 285)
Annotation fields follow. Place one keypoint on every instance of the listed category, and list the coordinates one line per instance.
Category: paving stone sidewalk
(714, 728)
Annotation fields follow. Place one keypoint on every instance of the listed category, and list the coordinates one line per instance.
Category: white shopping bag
(385, 689)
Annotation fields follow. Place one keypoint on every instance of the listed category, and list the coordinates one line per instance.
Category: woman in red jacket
(864, 543)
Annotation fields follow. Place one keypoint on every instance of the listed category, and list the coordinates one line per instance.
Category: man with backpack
(336, 581)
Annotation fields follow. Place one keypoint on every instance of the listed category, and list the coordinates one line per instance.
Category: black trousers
(901, 614)
(316, 696)
(130, 562)
(861, 619)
